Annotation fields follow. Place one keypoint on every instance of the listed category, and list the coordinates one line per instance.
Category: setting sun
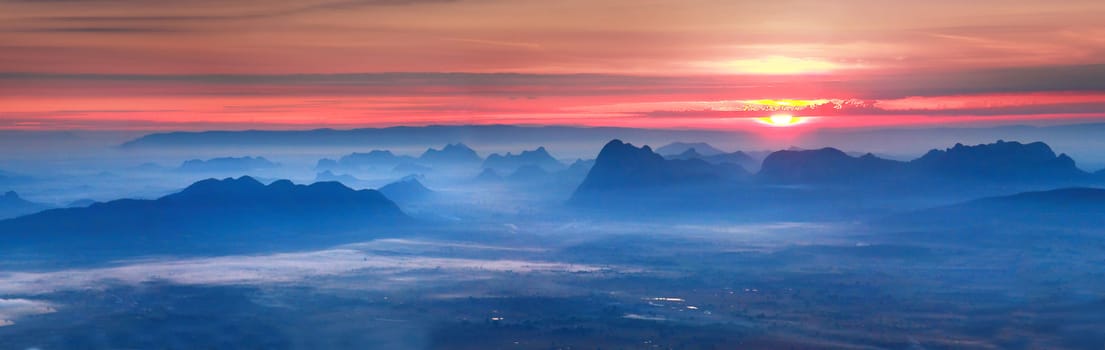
(781, 120)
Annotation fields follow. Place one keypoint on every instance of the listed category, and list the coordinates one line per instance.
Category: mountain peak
(676, 148)
(621, 165)
(227, 206)
(451, 153)
(539, 157)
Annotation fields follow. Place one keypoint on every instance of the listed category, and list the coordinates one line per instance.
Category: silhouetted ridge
(232, 206)
(621, 165)
(331, 176)
(739, 158)
(372, 159)
(677, 148)
(826, 165)
(227, 164)
(456, 153)
(509, 162)
(690, 153)
(1000, 161)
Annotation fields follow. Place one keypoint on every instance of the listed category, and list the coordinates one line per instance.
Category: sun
(781, 120)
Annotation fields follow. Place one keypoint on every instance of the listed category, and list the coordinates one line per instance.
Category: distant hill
(1060, 208)
(489, 175)
(227, 164)
(418, 136)
(209, 212)
(406, 190)
(690, 153)
(11, 205)
(739, 158)
(676, 148)
(383, 159)
(538, 157)
(989, 165)
(1001, 162)
(825, 183)
(623, 166)
(328, 176)
(451, 154)
(826, 165)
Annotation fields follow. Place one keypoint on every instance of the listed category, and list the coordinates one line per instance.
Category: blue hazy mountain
(209, 212)
(329, 176)
(11, 205)
(826, 165)
(745, 160)
(991, 164)
(538, 157)
(739, 158)
(999, 162)
(831, 184)
(1071, 207)
(373, 159)
(578, 170)
(407, 190)
(678, 148)
(623, 166)
(420, 135)
(690, 153)
(581, 165)
(227, 164)
(451, 154)
(489, 175)
(326, 164)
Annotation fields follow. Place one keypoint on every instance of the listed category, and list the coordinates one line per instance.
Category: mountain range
(510, 162)
(372, 159)
(227, 164)
(211, 213)
(700, 148)
(418, 135)
(803, 178)
(451, 155)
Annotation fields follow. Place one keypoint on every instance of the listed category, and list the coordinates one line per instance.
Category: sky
(280, 64)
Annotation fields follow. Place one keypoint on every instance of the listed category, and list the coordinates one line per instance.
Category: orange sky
(203, 64)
